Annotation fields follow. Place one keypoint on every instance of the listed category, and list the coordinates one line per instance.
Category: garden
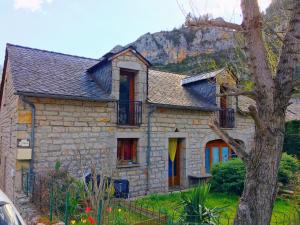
(226, 186)
(63, 198)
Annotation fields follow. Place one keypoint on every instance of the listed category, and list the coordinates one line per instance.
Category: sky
(92, 27)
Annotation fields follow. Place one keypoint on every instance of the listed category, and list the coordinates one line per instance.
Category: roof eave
(67, 97)
(207, 109)
(3, 76)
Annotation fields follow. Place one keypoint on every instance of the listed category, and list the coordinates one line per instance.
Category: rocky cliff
(186, 50)
(194, 51)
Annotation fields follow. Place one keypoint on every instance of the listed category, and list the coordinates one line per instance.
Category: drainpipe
(150, 113)
(32, 138)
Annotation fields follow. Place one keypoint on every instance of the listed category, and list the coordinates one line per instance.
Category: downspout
(32, 138)
(150, 113)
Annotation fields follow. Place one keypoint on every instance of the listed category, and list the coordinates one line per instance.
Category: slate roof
(50, 74)
(165, 89)
(293, 110)
(203, 76)
(43, 73)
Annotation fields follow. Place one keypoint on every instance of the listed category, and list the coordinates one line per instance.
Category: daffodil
(73, 221)
(119, 210)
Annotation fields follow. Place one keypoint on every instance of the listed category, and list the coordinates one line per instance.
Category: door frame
(185, 157)
(178, 164)
(220, 144)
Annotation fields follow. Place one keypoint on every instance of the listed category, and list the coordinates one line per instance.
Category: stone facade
(8, 141)
(64, 127)
(68, 129)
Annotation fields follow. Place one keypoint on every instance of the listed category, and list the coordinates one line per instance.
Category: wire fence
(61, 200)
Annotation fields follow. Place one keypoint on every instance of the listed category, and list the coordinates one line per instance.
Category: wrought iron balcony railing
(227, 118)
(129, 113)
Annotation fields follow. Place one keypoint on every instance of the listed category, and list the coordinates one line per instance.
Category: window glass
(215, 155)
(233, 154)
(225, 153)
(127, 151)
(207, 160)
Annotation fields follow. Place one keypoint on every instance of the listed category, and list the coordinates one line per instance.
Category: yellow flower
(119, 210)
(84, 221)
(73, 221)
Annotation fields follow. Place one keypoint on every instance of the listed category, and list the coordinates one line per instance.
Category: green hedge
(292, 138)
(229, 176)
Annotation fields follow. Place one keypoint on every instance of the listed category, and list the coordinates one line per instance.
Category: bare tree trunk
(272, 95)
(257, 200)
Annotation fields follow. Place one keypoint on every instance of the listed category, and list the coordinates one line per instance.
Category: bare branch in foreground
(254, 114)
(237, 93)
(237, 146)
(213, 23)
(296, 83)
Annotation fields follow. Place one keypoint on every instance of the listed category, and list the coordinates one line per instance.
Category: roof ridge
(48, 51)
(209, 71)
(168, 72)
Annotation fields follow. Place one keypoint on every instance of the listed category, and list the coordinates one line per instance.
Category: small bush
(195, 210)
(289, 165)
(228, 177)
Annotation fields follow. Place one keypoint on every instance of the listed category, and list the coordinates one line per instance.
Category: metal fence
(28, 179)
(62, 202)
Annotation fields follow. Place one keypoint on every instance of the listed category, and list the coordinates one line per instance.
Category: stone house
(55, 105)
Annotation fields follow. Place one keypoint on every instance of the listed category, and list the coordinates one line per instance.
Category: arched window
(217, 151)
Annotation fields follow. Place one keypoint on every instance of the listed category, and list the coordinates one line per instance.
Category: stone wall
(8, 141)
(65, 128)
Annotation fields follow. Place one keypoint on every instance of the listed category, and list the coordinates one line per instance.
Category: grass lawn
(170, 203)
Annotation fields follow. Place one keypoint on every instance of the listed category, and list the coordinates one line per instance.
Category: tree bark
(272, 98)
(257, 200)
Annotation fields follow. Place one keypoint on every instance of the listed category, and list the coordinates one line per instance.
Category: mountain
(192, 51)
(189, 51)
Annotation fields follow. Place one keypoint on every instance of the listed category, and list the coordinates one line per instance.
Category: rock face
(189, 51)
(174, 46)
(192, 51)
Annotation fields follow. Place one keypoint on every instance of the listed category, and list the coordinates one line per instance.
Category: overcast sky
(92, 27)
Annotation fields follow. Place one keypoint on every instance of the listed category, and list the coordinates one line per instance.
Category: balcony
(129, 113)
(227, 118)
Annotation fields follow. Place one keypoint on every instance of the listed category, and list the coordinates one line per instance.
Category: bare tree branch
(289, 59)
(236, 145)
(254, 114)
(237, 93)
(296, 83)
(213, 23)
(272, 31)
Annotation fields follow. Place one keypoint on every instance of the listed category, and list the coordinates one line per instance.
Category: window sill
(129, 126)
(228, 128)
(128, 166)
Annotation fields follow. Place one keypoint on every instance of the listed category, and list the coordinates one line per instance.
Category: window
(215, 152)
(127, 151)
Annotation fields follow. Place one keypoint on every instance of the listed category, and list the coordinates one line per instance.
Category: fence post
(170, 221)
(27, 183)
(66, 219)
(99, 213)
(51, 204)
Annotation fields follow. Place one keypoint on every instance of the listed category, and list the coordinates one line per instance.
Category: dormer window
(226, 114)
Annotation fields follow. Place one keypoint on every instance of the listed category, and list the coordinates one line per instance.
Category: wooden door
(127, 96)
(176, 168)
(223, 99)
